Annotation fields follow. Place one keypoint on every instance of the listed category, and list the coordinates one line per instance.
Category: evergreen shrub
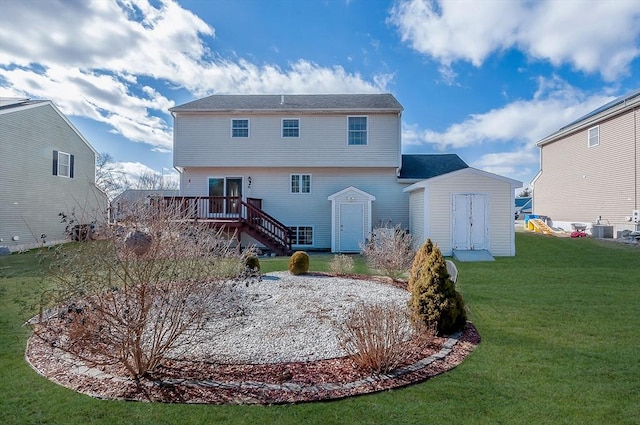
(434, 300)
(299, 263)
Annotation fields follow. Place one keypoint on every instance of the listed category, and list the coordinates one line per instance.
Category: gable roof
(469, 170)
(430, 165)
(623, 103)
(293, 102)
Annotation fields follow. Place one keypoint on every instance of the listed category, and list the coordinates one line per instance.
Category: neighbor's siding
(30, 195)
(578, 183)
(204, 140)
(500, 210)
(272, 185)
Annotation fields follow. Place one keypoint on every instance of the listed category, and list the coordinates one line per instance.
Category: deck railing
(228, 209)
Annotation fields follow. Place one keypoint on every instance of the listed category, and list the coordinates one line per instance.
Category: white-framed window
(594, 136)
(300, 183)
(290, 127)
(357, 130)
(63, 164)
(240, 127)
(301, 235)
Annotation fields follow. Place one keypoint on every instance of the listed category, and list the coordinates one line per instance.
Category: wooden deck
(234, 213)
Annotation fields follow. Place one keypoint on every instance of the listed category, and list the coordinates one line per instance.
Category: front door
(225, 194)
(351, 227)
(470, 222)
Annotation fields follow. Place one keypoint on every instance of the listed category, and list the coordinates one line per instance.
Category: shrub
(299, 263)
(375, 336)
(389, 251)
(252, 263)
(141, 293)
(434, 300)
(341, 265)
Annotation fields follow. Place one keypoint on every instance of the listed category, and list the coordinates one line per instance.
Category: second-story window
(357, 131)
(240, 128)
(300, 183)
(291, 128)
(594, 136)
(62, 164)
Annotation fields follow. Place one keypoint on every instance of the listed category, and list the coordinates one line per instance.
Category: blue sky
(485, 79)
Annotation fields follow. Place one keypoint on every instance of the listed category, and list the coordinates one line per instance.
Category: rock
(138, 241)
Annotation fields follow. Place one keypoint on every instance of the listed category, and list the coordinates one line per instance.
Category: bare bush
(142, 292)
(376, 336)
(341, 265)
(389, 251)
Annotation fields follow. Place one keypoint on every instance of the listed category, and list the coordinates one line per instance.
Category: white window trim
(282, 128)
(313, 234)
(366, 142)
(301, 192)
(68, 175)
(248, 128)
(597, 137)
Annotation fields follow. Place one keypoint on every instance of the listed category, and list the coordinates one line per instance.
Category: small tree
(142, 293)
(434, 300)
(389, 251)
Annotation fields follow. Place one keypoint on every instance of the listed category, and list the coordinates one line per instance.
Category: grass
(559, 325)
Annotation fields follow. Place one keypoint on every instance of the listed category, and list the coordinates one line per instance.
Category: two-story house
(589, 169)
(323, 169)
(46, 168)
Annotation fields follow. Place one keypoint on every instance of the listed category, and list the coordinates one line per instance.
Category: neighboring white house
(46, 168)
(329, 168)
(590, 169)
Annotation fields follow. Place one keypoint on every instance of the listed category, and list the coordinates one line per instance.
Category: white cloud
(591, 35)
(91, 57)
(554, 105)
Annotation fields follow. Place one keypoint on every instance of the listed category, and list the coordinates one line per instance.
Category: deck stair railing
(234, 212)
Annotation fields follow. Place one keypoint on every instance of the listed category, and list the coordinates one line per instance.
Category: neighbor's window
(290, 128)
(594, 136)
(300, 183)
(301, 235)
(357, 130)
(62, 164)
(240, 128)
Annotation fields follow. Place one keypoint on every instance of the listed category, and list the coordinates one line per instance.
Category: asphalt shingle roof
(431, 165)
(287, 102)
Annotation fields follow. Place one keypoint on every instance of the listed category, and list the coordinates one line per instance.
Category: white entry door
(351, 227)
(470, 222)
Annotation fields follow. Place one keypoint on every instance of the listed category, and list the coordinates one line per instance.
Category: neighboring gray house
(326, 168)
(590, 169)
(124, 204)
(46, 168)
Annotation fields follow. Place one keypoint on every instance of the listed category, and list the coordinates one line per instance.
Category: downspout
(635, 149)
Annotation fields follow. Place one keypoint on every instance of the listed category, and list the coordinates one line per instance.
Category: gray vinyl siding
(204, 140)
(417, 217)
(578, 183)
(30, 195)
(272, 185)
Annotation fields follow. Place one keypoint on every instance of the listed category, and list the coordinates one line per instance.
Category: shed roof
(293, 102)
(426, 166)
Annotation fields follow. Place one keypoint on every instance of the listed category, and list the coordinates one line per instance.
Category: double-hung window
(301, 235)
(357, 130)
(240, 128)
(62, 164)
(291, 127)
(594, 136)
(300, 183)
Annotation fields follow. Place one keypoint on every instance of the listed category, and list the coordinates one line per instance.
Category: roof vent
(282, 100)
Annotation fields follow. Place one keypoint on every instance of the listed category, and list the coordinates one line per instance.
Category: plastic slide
(539, 226)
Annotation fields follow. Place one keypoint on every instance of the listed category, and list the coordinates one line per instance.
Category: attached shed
(464, 210)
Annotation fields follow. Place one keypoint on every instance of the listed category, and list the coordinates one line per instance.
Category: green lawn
(559, 325)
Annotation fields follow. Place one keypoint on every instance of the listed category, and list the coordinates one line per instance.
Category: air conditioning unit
(635, 216)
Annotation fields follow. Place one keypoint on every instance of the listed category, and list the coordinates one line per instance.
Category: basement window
(301, 235)
(594, 136)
